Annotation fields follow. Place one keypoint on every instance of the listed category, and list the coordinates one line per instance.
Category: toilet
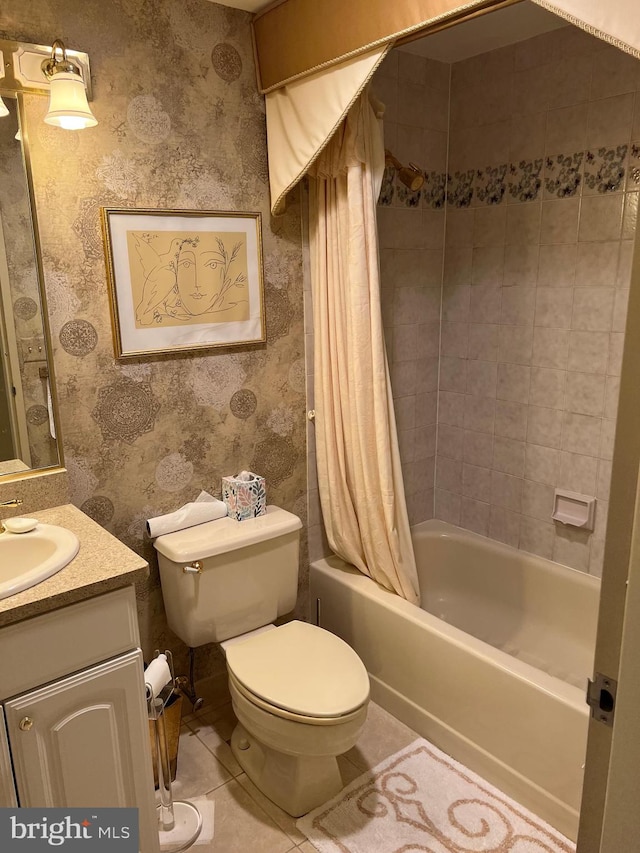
(300, 693)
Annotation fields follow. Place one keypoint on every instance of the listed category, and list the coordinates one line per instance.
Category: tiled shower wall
(415, 92)
(544, 172)
(541, 143)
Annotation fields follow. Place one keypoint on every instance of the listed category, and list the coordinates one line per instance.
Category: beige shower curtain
(359, 472)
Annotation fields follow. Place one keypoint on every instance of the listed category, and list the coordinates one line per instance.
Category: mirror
(27, 424)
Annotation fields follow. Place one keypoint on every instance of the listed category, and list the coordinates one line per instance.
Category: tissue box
(244, 495)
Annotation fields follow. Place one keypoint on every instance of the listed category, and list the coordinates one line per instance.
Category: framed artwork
(183, 279)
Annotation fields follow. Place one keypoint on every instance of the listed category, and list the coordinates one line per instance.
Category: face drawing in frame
(186, 278)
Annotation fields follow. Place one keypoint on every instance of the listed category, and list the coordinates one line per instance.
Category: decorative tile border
(599, 171)
(605, 170)
(460, 188)
(563, 175)
(525, 179)
(490, 185)
(434, 191)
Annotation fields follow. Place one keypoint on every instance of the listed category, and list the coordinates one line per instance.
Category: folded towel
(204, 508)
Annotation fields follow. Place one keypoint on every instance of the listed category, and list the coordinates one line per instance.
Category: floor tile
(381, 737)
(199, 771)
(286, 823)
(214, 729)
(241, 826)
(307, 847)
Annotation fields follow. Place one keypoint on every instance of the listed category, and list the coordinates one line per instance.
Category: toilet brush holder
(179, 822)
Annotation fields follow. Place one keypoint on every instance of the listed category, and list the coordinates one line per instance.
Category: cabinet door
(7, 788)
(84, 741)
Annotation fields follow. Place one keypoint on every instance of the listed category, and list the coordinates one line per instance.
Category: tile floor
(245, 820)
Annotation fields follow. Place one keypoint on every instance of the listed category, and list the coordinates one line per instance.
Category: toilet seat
(300, 671)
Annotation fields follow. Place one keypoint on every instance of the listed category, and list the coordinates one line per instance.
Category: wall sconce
(411, 175)
(68, 105)
(63, 74)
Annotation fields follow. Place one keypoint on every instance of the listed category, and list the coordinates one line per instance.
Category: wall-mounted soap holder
(574, 509)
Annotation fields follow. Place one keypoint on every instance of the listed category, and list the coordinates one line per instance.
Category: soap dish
(20, 525)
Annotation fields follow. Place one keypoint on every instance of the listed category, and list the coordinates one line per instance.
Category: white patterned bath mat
(422, 800)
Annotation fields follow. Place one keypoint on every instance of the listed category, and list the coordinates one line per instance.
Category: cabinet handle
(25, 724)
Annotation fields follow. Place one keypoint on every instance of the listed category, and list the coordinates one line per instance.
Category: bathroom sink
(28, 558)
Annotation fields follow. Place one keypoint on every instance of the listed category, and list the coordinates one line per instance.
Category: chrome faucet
(12, 502)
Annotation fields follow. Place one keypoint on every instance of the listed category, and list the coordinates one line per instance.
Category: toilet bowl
(299, 692)
(300, 695)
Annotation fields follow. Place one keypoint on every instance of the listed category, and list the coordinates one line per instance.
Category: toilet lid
(301, 668)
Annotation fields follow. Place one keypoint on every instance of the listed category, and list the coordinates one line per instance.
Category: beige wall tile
(490, 226)
(604, 479)
(447, 506)
(566, 129)
(597, 264)
(559, 223)
(454, 339)
(547, 387)
(577, 473)
(516, 343)
(554, 307)
(475, 516)
(613, 73)
(450, 441)
(478, 448)
(550, 348)
(610, 121)
(504, 526)
(544, 426)
(585, 393)
(581, 434)
(460, 227)
(511, 419)
(506, 491)
(557, 267)
(537, 537)
(482, 378)
(479, 413)
(601, 218)
(483, 341)
(521, 264)
(488, 265)
(541, 464)
(513, 382)
(630, 216)
(485, 304)
(451, 408)
(537, 500)
(449, 475)
(593, 308)
(611, 396)
(476, 482)
(571, 547)
(607, 437)
(518, 307)
(588, 351)
(523, 224)
(508, 456)
(453, 374)
(457, 266)
(527, 136)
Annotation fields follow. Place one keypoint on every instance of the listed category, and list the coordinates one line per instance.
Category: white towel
(204, 508)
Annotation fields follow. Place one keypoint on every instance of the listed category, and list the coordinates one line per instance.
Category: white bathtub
(493, 669)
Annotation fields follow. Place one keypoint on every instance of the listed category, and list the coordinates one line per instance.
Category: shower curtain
(359, 471)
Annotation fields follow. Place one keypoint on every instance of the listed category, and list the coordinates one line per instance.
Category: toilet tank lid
(224, 535)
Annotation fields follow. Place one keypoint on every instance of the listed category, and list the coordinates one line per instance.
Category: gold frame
(120, 290)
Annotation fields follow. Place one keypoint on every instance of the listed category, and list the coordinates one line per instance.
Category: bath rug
(422, 800)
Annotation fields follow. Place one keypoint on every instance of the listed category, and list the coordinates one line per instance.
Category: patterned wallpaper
(181, 125)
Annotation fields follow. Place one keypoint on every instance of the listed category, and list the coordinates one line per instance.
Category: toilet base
(296, 783)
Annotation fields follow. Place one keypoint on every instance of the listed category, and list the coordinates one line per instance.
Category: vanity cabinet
(72, 690)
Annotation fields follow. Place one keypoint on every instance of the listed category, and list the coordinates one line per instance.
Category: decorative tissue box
(244, 495)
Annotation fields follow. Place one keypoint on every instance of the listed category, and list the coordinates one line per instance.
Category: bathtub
(493, 667)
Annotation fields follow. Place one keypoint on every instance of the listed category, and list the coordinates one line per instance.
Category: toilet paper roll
(156, 676)
(196, 512)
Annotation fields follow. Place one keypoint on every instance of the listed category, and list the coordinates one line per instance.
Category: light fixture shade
(68, 106)
(3, 109)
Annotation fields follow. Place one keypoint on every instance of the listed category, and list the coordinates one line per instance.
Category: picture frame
(183, 280)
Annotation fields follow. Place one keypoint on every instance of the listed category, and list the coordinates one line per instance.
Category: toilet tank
(249, 575)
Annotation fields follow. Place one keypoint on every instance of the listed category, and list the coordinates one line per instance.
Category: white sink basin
(28, 558)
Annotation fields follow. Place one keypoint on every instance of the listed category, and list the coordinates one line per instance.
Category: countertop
(102, 564)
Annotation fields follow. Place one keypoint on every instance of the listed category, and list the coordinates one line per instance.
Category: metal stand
(179, 822)
(189, 687)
